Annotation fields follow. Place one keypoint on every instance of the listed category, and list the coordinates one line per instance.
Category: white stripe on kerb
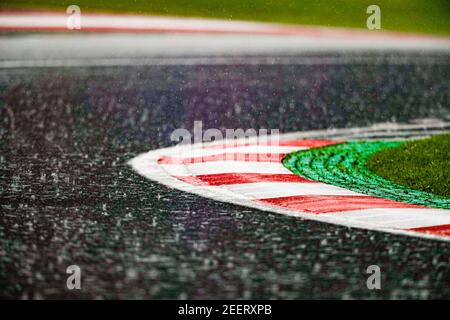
(402, 218)
(267, 190)
(195, 169)
(130, 22)
(251, 149)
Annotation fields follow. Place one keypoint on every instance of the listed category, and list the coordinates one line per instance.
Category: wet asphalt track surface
(68, 196)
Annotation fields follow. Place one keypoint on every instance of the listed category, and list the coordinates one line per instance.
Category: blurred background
(419, 16)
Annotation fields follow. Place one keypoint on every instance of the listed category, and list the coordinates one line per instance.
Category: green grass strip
(420, 164)
(344, 165)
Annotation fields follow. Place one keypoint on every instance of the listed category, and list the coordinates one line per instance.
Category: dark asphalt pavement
(68, 197)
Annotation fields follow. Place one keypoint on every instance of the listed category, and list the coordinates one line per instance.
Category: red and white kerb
(251, 174)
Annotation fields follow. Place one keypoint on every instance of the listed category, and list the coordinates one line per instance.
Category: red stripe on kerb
(285, 143)
(240, 178)
(442, 230)
(255, 157)
(329, 204)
